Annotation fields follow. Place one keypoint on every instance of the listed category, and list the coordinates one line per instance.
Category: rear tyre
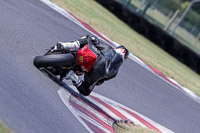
(54, 60)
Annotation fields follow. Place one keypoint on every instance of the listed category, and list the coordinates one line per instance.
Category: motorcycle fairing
(86, 58)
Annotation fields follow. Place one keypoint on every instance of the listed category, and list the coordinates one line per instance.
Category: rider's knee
(84, 91)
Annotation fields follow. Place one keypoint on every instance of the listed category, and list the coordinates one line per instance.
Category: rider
(105, 67)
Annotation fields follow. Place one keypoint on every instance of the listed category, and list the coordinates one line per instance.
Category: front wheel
(54, 60)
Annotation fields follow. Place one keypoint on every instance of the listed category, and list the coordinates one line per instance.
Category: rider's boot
(68, 46)
(84, 40)
(76, 80)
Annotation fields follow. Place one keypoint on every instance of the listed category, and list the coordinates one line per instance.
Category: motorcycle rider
(105, 67)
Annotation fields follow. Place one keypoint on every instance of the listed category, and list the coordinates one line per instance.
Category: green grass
(105, 22)
(4, 128)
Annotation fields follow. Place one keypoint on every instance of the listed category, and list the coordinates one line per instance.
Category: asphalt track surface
(29, 101)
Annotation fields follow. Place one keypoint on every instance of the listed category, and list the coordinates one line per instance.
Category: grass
(105, 22)
(131, 128)
(4, 128)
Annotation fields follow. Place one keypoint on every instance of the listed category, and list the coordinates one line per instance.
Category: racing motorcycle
(59, 61)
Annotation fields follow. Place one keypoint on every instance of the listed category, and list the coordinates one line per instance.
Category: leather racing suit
(106, 66)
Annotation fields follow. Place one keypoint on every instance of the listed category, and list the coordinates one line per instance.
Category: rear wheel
(54, 60)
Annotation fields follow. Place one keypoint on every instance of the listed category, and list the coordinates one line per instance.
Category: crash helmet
(122, 51)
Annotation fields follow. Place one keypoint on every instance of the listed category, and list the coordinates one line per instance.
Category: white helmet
(122, 51)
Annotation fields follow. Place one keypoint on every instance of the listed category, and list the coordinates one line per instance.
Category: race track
(29, 100)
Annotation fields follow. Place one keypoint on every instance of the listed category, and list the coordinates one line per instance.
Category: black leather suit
(106, 66)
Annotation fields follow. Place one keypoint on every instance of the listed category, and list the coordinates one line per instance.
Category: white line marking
(65, 96)
(92, 121)
(91, 110)
(160, 127)
(127, 115)
(105, 109)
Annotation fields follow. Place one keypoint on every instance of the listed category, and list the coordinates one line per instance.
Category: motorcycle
(59, 61)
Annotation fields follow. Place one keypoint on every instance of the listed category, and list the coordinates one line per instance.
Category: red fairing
(86, 58)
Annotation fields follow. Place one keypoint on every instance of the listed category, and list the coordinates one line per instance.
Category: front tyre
(54, 60)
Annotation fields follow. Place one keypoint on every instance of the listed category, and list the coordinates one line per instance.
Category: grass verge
(131, 128)
(105, 22)
(4, 128)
